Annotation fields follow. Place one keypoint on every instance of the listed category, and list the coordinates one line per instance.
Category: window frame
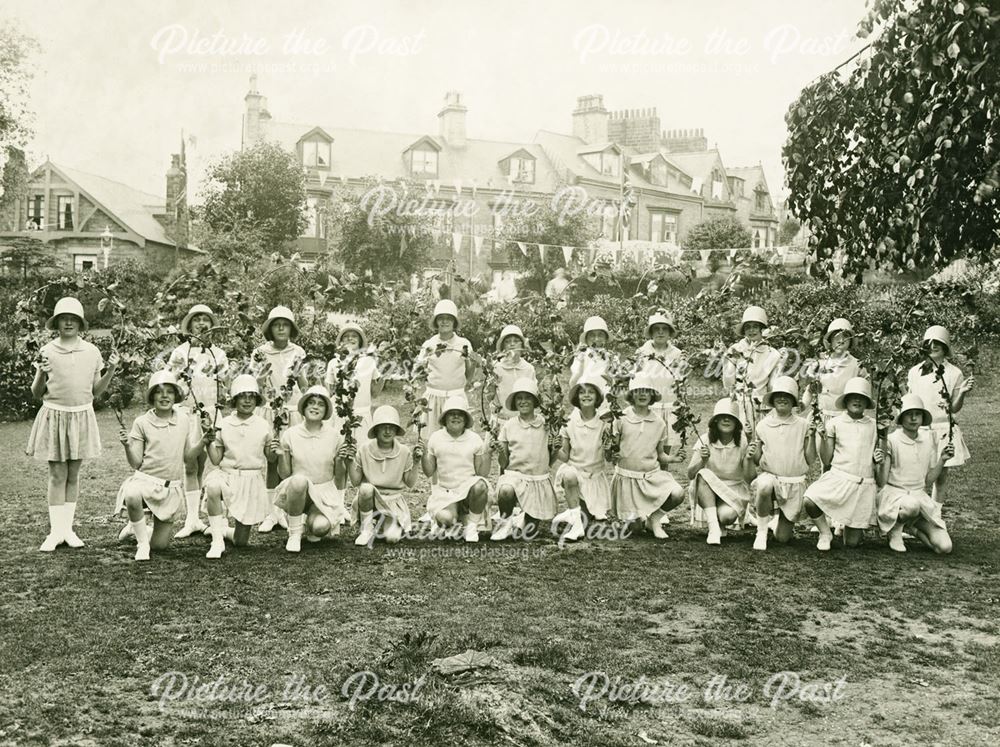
(62, 202)
(426, 154)
(79, 259)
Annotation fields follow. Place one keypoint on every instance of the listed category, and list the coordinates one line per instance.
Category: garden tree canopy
(26, 257)
(376, 231)
(16, 49)
(718, 233)
(787, 231)
(540, 222)
(897, 163)
(259, 191)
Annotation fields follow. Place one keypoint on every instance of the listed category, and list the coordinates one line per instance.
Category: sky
(116, 83)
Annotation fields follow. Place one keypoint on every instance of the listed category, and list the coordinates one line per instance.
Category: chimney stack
(451, 120)
(590, 119)
(256, 117)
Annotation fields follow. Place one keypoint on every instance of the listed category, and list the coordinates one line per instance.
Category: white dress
(929, 391)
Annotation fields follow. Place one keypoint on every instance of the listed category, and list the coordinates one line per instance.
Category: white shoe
(472, 531)
(367, 533)
(575, 529)
(126, 532)
(69, 536)
(655, 525)
(191, 527)
(293, 543)
(72, 540)
(216, 550)
(51, 543)
(267, 525)
(823, 544)
(504, 529)
(714, 536)
(282, 519)
(142, 552)
(896, 539)
(393, 532)
(760, 542)
(57, 528)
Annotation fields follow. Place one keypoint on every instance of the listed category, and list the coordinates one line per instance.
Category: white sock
(295, 523)
(141, 531)
(218, 526)
(763, 524)
(822, 524)
(193, 500)
(56, 520)
(712, 517)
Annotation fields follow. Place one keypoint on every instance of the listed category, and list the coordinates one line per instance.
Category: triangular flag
(477, 244)
(322, 178)
(705, 254)
(541, 252)
(732, 253)
(456, 242)
(458, 186)
(402, 244)
(567, 254)
(343, 179)
(523, 247)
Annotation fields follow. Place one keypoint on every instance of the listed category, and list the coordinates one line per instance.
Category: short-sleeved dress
(160, 477)
(638, 493)
(242, 471)
(909, 462)
(507, 374)
(528, 467)
(365, 372)
(586, 462)
(384, 472)
(782, 465)
(764, 365)
(591, 363)
(313, 455)
(445, 374)
(929, 391)
(283, 362)
(659, 366)
(846, 492)
(456, 468)
(65, 427)
(833, 374)
(723, 472)
(207, 366)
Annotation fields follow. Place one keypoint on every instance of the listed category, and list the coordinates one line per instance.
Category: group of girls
(290, 465)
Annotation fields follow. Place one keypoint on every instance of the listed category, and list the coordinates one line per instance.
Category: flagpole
(621, 204)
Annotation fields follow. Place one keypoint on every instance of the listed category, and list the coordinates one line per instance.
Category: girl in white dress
(450, 362)
(370, 382)
(660, 360)
(912, 464)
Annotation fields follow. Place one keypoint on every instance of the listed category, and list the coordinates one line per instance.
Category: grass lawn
(85, 634)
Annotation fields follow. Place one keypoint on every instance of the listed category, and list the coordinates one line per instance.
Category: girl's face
(385, 434)
(512, 342)
(661, 334)
(912, 420)
(445, 324)
(937, 350)
(587, 397)
(597, 338)
(164, 397)
(524, 403)
(726, 425)
(314, 409)
(840, 342)
(454, 422)
(855, 405)
(642, 397)
(201, 323)
(68, 325)
(246, 402)
(351, 341)
(281, 330)
(753, 331)
(783, 403)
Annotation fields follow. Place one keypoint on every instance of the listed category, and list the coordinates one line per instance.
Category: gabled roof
(318, 131)
(519, 153)
(131, 207)
(750, 174)
(698, 164)
(425, 140)
(598, 148)
(361, 153)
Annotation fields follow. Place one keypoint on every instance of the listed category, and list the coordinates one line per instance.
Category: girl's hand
(811, 430)
(114, 359)
(554, 440)
(122, 436)
(967, 385)
(44, 365)
(208, 437)
(347, 452)
(274, 445)
(752, 450)
(879, 455)
(679, 456)
(418, 451)
(703, 452)
(948, 452)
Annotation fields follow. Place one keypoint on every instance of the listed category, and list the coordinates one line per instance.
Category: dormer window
(717, 185)
(658, 173)
(424, 162)
(607, 163)
(519, 166)
(316, 146)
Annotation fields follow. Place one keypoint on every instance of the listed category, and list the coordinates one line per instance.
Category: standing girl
(911, 467)
(242, 449)
(205, 361)
(457, 461)
(786, 451)
(720, 470)
(509, 368)
(383, 469)
(836, 367)
(352, 339)
(592, 360)
(279, 360)
(524, 457)
(759, 361)
(641, 487)
(582, 477)
(657, 360)
(922, 380)
(450, 363)
(313, 462)
(160, 442)
(68, 376)
(846, 492)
